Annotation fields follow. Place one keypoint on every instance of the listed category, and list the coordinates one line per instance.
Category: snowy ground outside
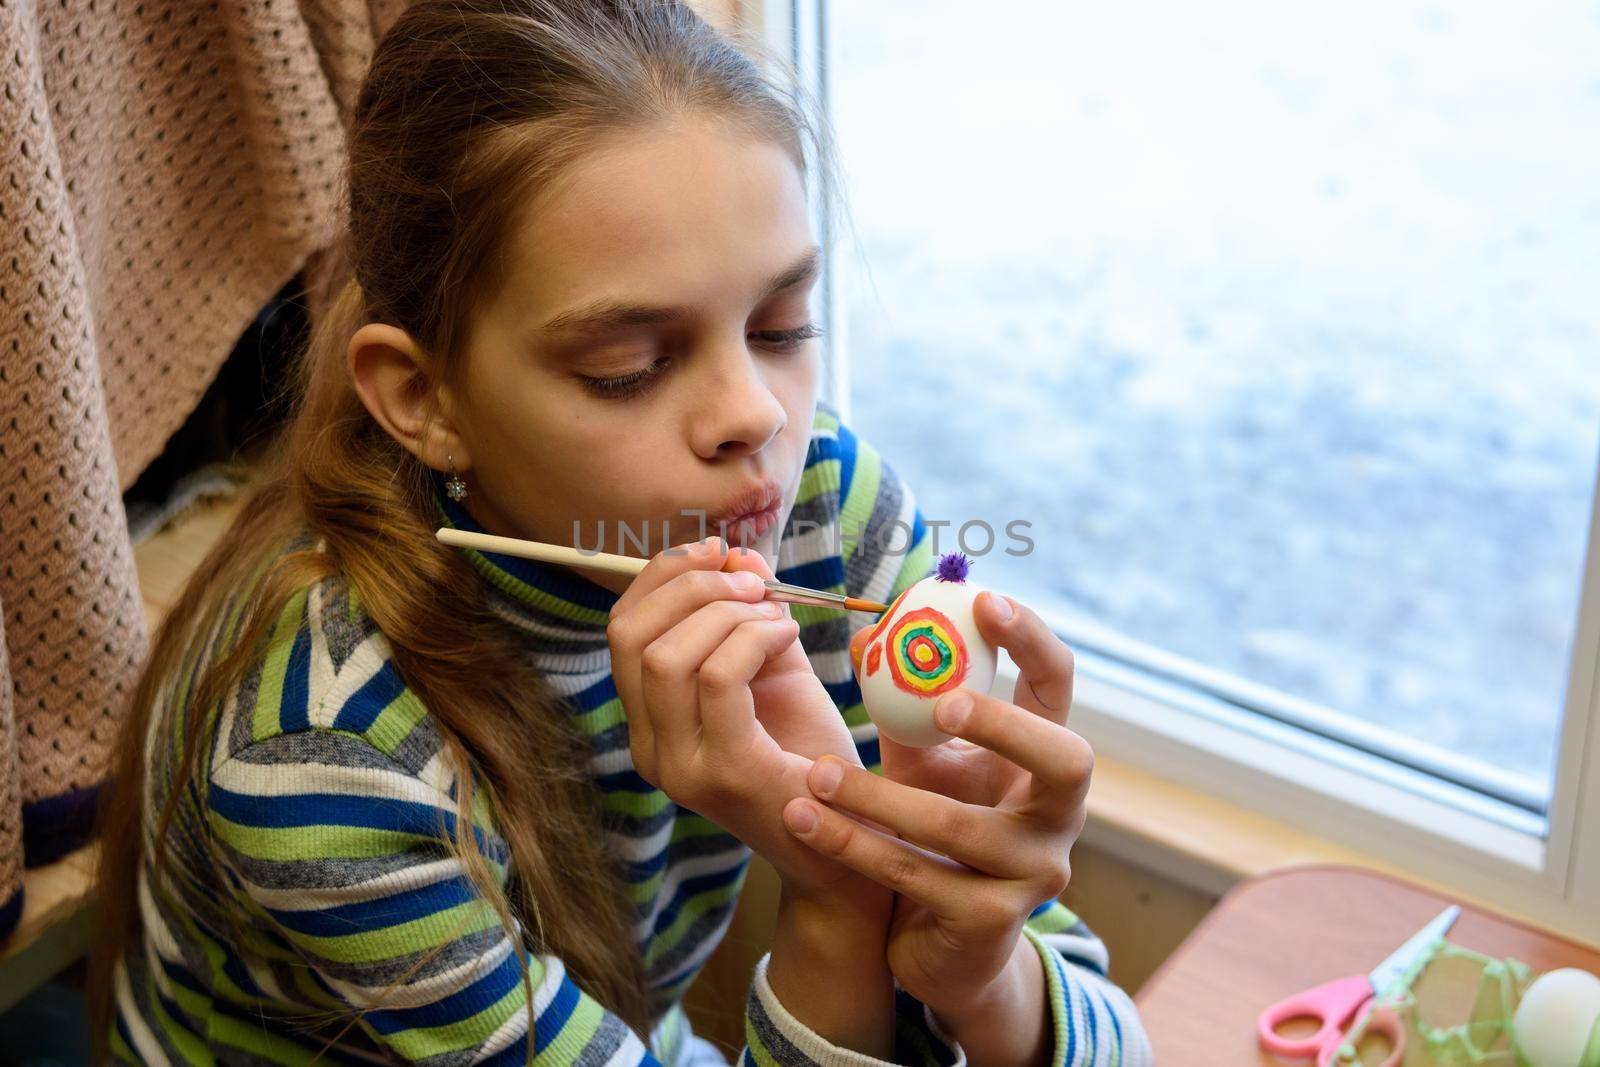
(1278, 321)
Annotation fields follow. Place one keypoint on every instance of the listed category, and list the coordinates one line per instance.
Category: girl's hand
(997, 809)
(725, 714)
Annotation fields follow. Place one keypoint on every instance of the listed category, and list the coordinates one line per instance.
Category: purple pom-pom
(953, 567)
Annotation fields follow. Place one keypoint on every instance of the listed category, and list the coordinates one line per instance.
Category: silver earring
(455, 488)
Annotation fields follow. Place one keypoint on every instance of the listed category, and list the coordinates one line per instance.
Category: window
(1276, 324)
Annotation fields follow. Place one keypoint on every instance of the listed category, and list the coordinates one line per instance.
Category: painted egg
(925, 645)
(1557, 1021)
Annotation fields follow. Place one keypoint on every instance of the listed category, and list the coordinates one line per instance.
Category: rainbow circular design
(926, 654)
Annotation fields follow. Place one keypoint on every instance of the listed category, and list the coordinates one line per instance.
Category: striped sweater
(307, 873)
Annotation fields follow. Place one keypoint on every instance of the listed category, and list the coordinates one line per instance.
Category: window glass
(1278, 324)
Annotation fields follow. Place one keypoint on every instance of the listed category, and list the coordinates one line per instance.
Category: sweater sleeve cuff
(1055, 993)
(1083, 998)
(769, 1026)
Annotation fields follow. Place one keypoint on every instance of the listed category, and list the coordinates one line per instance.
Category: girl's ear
(390, 372)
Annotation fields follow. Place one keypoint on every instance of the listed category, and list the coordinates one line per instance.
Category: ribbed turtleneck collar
(561, 613)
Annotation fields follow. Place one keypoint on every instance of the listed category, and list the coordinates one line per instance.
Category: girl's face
(648, 356)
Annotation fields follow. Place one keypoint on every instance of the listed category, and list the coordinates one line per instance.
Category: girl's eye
(631, 385)
(788, 340)
(628, 385)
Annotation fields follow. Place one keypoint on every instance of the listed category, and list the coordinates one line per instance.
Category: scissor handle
(1332, 1005)
(1380, 1019)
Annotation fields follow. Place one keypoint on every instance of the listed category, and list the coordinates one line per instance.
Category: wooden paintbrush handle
(516, 546)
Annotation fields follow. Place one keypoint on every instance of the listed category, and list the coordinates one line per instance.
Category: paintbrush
(632, 565)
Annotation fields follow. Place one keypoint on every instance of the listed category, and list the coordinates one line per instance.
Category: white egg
(926, 645)
(1558, 1020)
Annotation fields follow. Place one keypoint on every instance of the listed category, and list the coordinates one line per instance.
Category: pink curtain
(165, 168)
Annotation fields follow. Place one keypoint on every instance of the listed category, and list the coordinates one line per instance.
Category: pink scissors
(1336, 1004)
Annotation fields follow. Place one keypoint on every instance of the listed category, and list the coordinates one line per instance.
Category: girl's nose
(737, 411)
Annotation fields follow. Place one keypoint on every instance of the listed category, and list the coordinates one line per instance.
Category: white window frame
(1404, 818)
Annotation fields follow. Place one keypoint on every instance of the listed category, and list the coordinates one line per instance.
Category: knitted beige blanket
(165, 167)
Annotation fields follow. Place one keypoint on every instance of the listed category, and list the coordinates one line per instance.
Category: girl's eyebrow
(613, 314)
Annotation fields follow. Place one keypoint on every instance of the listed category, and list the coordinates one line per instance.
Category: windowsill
(1193, 838)
(1208, 845)
(1201, 840)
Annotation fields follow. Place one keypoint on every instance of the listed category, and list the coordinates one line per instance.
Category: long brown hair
(469, 109)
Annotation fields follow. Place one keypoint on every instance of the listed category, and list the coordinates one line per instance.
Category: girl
(384, 800)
